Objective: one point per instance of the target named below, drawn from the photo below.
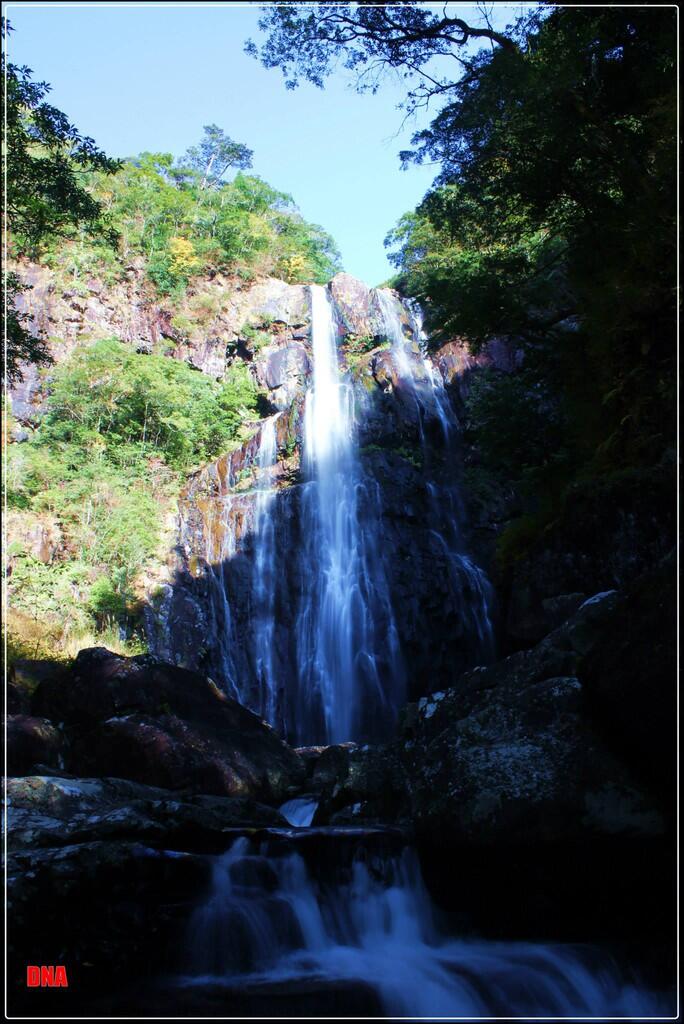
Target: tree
(214, 156)
(553, 221)
(44, 157)
(308, 41)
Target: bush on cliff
(104, 465)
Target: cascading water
(415, 371)
(300, 811)
(469, 587)
(263, 590)
(220, 549)
(345, 627)
(269, 921)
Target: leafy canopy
(208, 162)
(553, 222)
(310, 41)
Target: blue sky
(149, 77)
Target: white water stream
(269, 920)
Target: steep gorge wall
(207, 615)
(200, 610)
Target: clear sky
(149, 76)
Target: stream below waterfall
(364, 933)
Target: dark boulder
(162, 725)
(509, 755)
(24, 676)
(630, 678)
(32, 741)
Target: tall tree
(44, 156)
(214, 156)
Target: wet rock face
(159, 724)
(206, 621)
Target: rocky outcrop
(58, 811)
(208, 328)
(161, 725)
(510, 754)
(357, 306)
(608, 533)
(37, 535)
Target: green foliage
(256, 338)
(44, 160)
(360, 344)
(357, 348)
(185, 225)
(552, 222)
(107, 395)
(516, 419)
(105, 464)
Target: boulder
(630, 678)
(518, 764)
(509, 754)
(285, 365)
(32, 741)
(163, 725)
(369, 788)
(50, 811)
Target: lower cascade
(271, 922)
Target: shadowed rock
(162, 725)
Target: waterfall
(469, 587)
(345, 628)
(220, 548)
(263, 589)
(415, 370)
(269, 921)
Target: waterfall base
(278, 934)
